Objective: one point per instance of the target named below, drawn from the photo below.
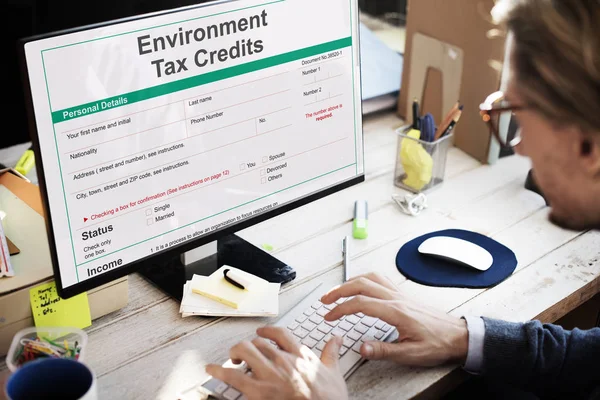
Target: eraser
(361, 220)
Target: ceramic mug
(52, 378)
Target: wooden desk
(148, 351)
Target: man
(554, 93)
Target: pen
(454, 121)
(446, 121)
(346, 259)
(415, 114)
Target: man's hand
(427, 337)
(291, 371)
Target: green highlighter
(360, 224)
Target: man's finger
(384, 310)
(233, 377)
(247, 352)
(383, 280)
(330, 355)
(282, 337)
(359, 286)
(275, 355)
(397, 352)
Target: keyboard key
(315, 319)
(221, 388)
(309, 312)
(231, 394)
(322, 311)
(338, 332)
(309, 342)
(345, 326)
(300, 319)
(348, 342)
(343, 350)
(379, 324)
(318, 335)
(317, 352)
(317, 305)
(340, 300)
(354, 335)
(321, 345)
(356, 347)
(292, 326)
(386, 327)
(327, 337)
(309, 326)
(361, 328)
(379, 335)
(370, 335)
(301, 332)
(353, 319)
(360, 315)
(323, 327)
(330, 306)
(333, 323)
(368, 321)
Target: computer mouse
(458, 251)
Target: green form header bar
(194, 81)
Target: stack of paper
(214, 296)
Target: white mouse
(457, 250)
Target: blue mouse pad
(431, 271)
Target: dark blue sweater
(544, 359)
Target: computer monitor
(164, 132)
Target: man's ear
(589, 153)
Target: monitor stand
(170, 275)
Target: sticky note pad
(49, 309)
(217, 288)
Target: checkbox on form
(148, 212)
(150, 221)
(262, 172)
(265, 159)
(263, 180)
(242, 167)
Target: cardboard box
(24, 225)
(461, 29)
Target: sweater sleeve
(542, 358)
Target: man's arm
(545, 359)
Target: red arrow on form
(85, 219)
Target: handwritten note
(51, 310)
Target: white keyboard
(305, 321)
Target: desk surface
(147, 350)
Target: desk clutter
(230, 292)
(422, 149)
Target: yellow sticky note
(51, 310)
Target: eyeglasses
(497, 113)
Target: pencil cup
(420, 165)
(52, 378)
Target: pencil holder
(35, 343)
(420, 165)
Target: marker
(236, 279)
(360, 224)
(26, 162)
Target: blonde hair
(556, 57)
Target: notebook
(214, 296)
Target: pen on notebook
(234, 278)
(345, 252)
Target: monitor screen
(164, 131)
